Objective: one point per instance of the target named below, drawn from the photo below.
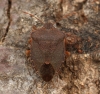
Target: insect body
(47, 50)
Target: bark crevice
(9, 18)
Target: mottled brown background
(81, 72)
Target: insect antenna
(33, 16)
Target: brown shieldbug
(47, 50)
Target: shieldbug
(47, 51)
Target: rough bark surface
(81, 71)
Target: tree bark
(80, 74)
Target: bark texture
(78, 18)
